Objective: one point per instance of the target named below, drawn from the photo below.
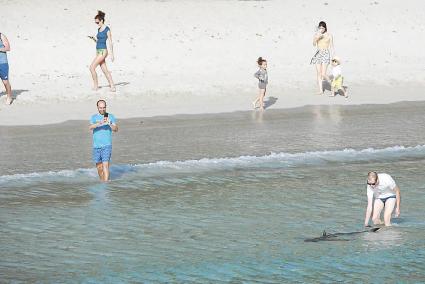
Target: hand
(397, 212)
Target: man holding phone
(102, 124)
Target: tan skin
(103, 168)
(100, 59)
(323, 40)
(6, 83)
(261, 92)
(378, 205)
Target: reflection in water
(99, 193)
(257, 116)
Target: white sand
(199, 56)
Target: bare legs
(100, 60)
(377, 208)
(107, 75)
(103, 171)
(321, 70)
(260, 98)
(8, 88)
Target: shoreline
(126, 105)
(215, 135)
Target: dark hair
(260, 60)
(323, 24)
(100, 16)
(97, 104)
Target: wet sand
(184, 137)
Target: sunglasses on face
(97, 22)
(372, 184)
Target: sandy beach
(176, 57)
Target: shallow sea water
(198, 214)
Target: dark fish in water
(335, 236)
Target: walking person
(325, 50)
(103, 34)
(382, 193)
(337, 78)
(102, 124)
(263, 80)
(4, 67)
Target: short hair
(97, 104)
(372, 174)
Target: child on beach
(262, 77)
(337, 79)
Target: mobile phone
(105, 114)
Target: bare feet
(9, 100)
(113, 89)
(254, 104)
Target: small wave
(273, 160)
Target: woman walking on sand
(263, 80)
(324, 43)
(103, 34)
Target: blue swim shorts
(102, 154)
(4, 71)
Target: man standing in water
(382, 192)
(102, 124)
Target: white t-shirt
(336, 71)
(385, 187)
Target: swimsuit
(4, 65)
(101, 36)
(263, 78)
(101, 51)
(386, 198)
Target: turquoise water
(242, 220)
(223, 219)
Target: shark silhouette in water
(335, 237)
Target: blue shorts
(4, 71)
(102, 154)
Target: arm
(316, 38)
(95, 125)
(5, 43)
(92, 38)
(369, 207)
(114, 127)
(258, 75)
(398, 200)
(331, 46)
(111, 46)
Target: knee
(92, 68)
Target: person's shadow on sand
(326, 86)
(270, 101)
(117, 84)
(15, 94)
